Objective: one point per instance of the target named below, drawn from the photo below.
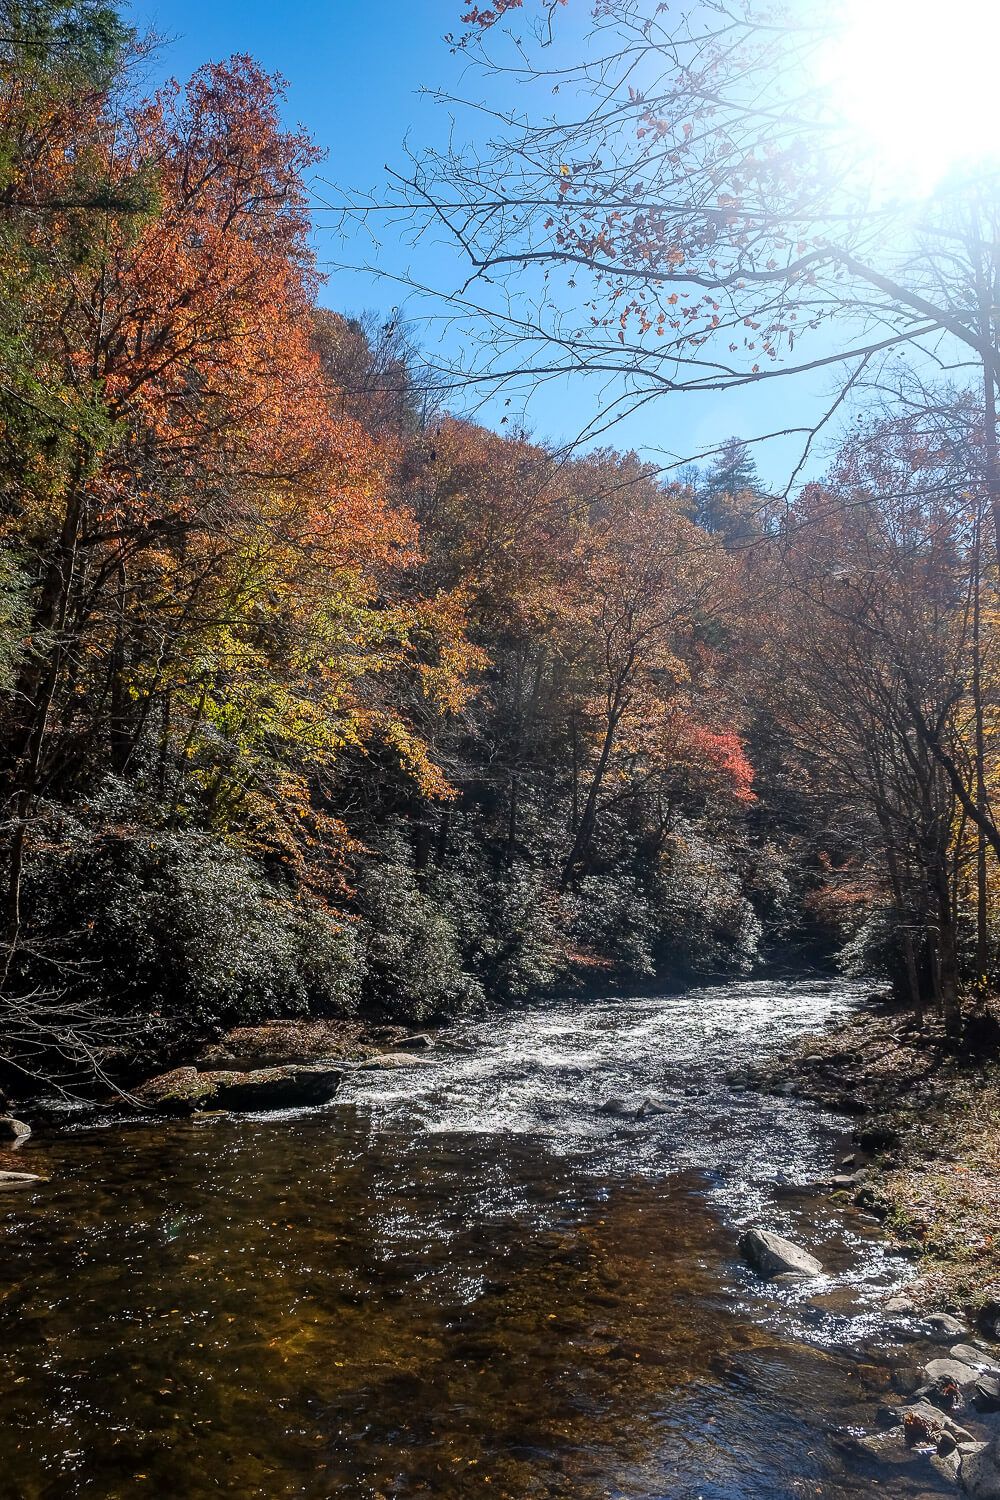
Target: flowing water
(464, 1280)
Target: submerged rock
(773, 1255)
(625, 1109)
(11, 1180)
(186, 1090)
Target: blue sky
(354, 74)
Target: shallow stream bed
(461, 1280)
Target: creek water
(463, 1280)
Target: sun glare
(918, 80)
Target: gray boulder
(773, 1255)
(937, 1420)
(986, 1395)
(13, 1130)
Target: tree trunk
(34, 693)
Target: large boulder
(13, 1130)
(187, 1091)
(773, 1255)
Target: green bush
(178, 924)
(415, 953)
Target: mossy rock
(186, 1091)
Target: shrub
(179, 924)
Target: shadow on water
(468, 1281)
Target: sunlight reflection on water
(466, 1279)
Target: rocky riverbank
(928, 1137)
(926, 1164)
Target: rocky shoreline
(925, 1165)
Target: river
(467, 1280)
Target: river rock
(986, 1393)
(988, 1320)
(968, 1354)
(186, 1090)
(620, 1107)
(419, 1043)
(944, 1325)
(13, 1130)
(773, 1255)
(396, 1060)
(936, 1370)
(936, 1420)
(13, 1180)
(979, 1470)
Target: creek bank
(928, 1142)
(926, 1167)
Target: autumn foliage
(274, 624)
(318, 696)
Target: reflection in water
(468, 1281)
